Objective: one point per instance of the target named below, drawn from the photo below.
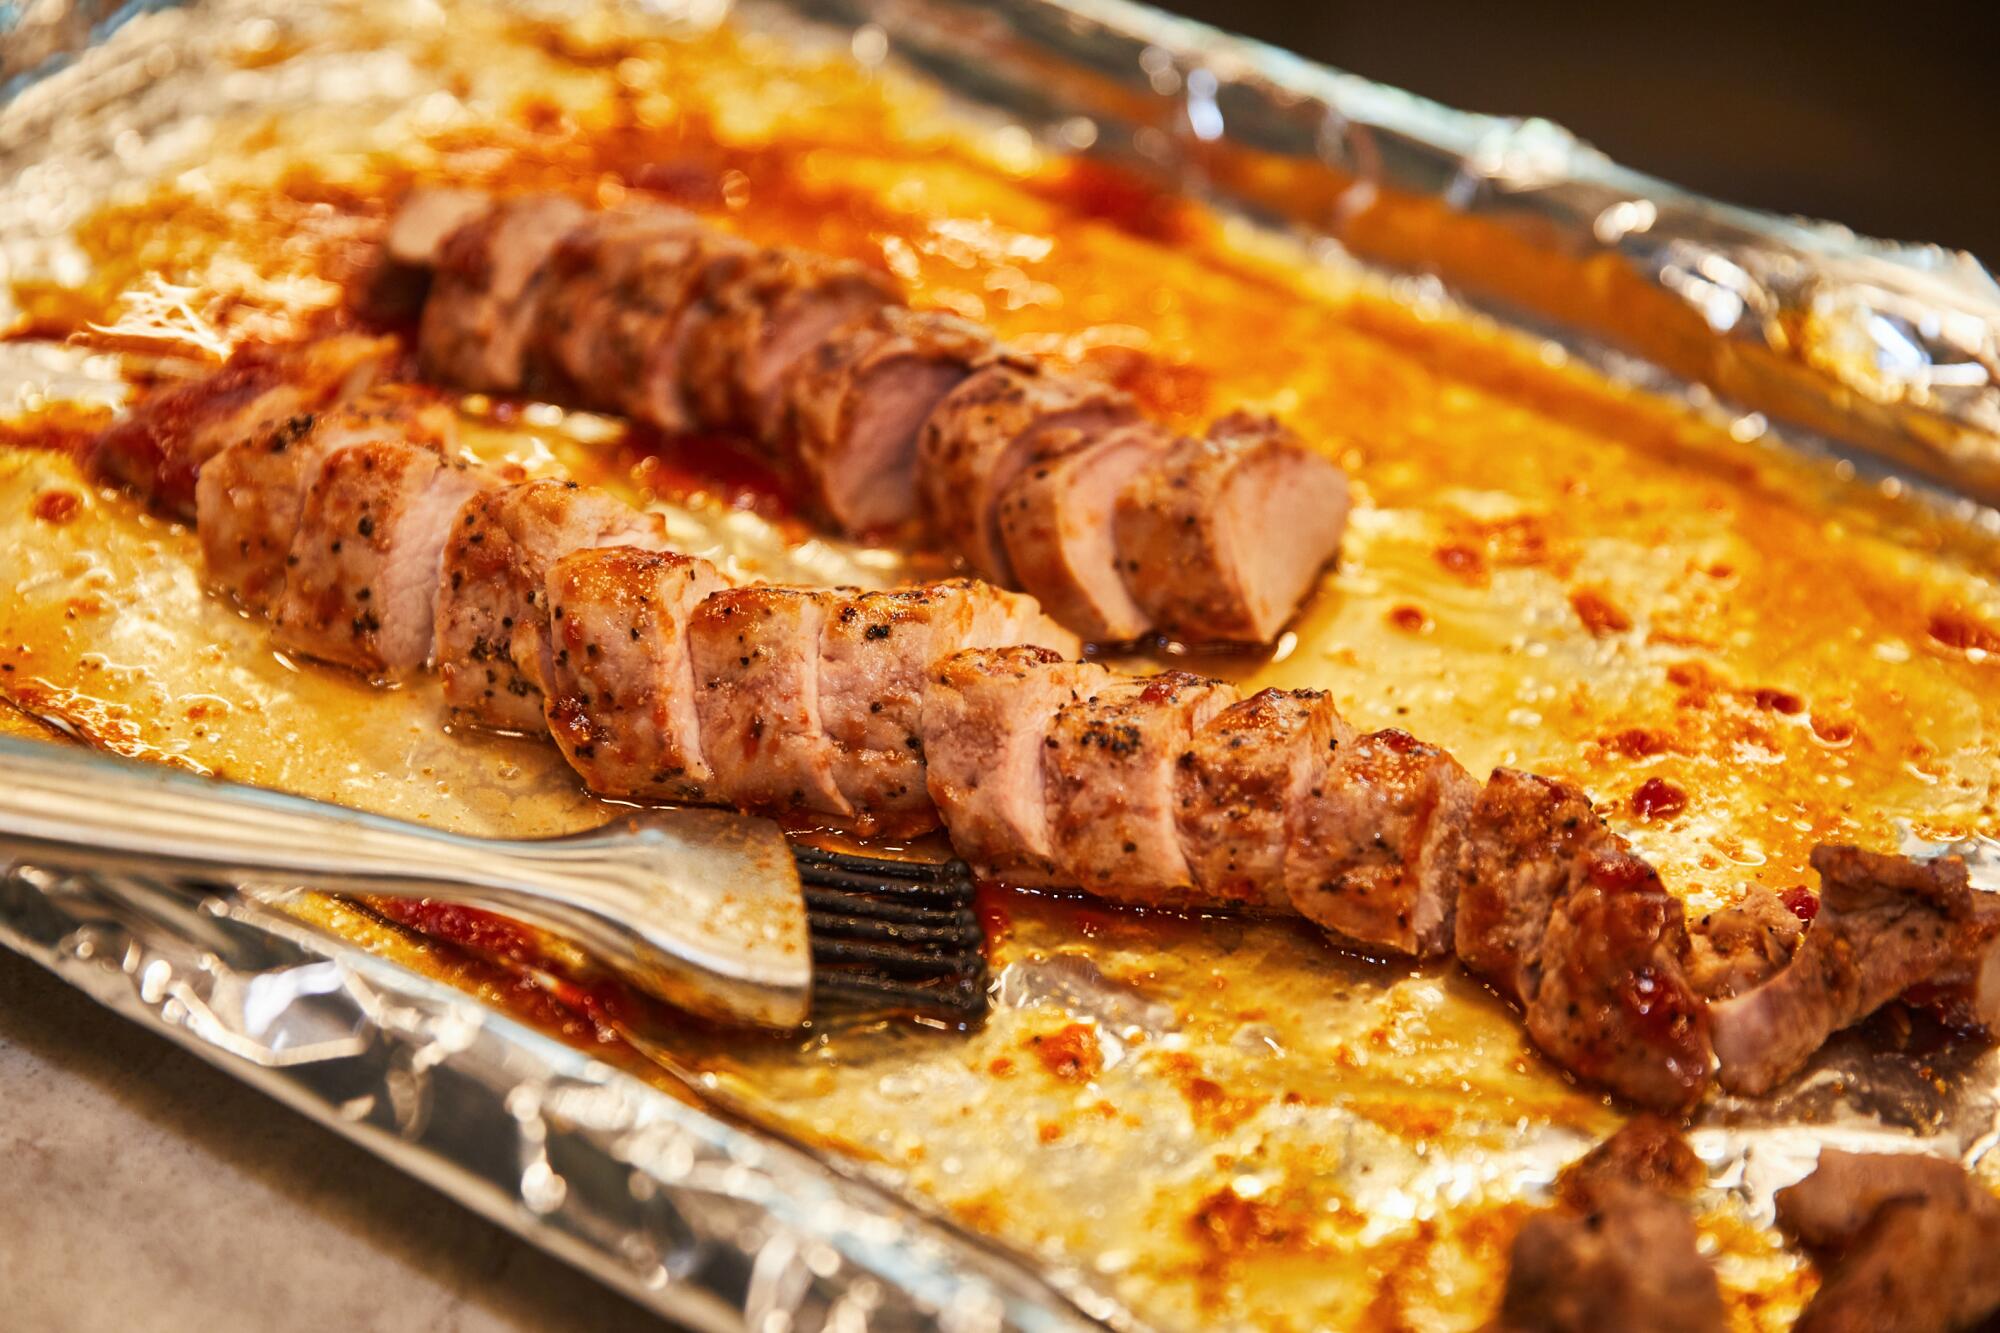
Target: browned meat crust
(492, 609)
(1905, 1243)
(1375, 842)
(1622, 1253)
(1738, 948)
(1239, 782)
(621, 687)
(1885, 924)
(485, 298)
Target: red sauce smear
(1658, 799)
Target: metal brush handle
(702, 908)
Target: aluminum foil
(1885, 350)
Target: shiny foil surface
(824, 1185)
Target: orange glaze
(1544, 570)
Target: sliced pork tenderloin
(1613, 1003)
(986, 717)
(1559, 915)
(857, 400)
(1237, 784)
(1373, 844)
(756, 655)
(1885, 924)
(1526, 843)
(249, 496)
(485, 302)
(621, 696)
(1056, 521)
(158, 450)
(1621, 1251)
(362, 579)
(758, 322)
(1904, 1242)
(1111, 763)
(878, 652)
(1001, 421)
(1223, 537)
(492, 607)
(589, 283)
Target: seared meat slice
(1905, 1244)
(158, 449)
(621, 695)
(1741, 947)
(1613, 1003)
(756, 658)
(877, 652)
(593, 279)
(986, 719)
(492, 609)
(757, 323)
(1112, 756)
(248, 499)
(857, 400)
(990, 429)
(1237, 784)
(1056, 521)
(1374, 841)
(363, 570)
(426, 220)
(1623, 1252)
(1885, 924)
(1525, 844)
(485, 300)
(1223, 537)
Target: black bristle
(893, 937)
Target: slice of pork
(159, 449)
(1622, 1251)
(426, 219)
(1885, 924)
(249, 496)
(1373, 843)
(485, 302)
(1740, 947)
(1612, 1003)
(986, 432)
(1904, 1241)
(1111, 762)
(602, 268)
(621, 699)
(1222, 538)
(985, 723)
(1525, 847)
(756, 658)
(492, 607)
(878, 651)
(362, 580)
(1056, 522)
(1237, 784)
(760, 321)
(857, 400)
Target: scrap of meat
(1885, 924)
(1740, 947)
(486, 294)
(1621, 1252)
(1904, 1243)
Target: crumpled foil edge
(718, 1226)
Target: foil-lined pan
(1878, 351)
